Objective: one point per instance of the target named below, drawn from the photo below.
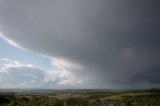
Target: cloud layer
(14, 74)
(116, 43)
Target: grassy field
(80, 98)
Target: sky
(80, 44)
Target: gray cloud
(149, 75)
(112, 40)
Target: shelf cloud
(105, 43)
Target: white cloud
(63, 63)
(11, 42)
(63, 68)
(14, 74)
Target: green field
(81, 98)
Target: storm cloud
(115, 43)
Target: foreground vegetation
(82, 98)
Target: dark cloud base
(114, 41)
